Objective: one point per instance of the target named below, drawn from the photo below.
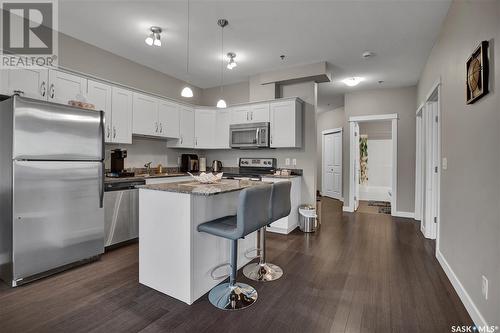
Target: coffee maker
(118, 157)
(189, 163)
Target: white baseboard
(348, 209)
(408, 215)
(462, 293)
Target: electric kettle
(216, 166)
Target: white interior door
(357, 167)
(332, 165)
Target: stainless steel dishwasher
(121, 211)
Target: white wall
(470, 187)
(233, 94)
(386, 101)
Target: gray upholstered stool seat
(279, 207)
(252, 214)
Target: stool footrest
(219, 277)
(257, 251)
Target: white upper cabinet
(168, 119)
(99, 94)
(31, 83)
(240, 114)
(145, 115)
(286, 124)
(121, 113)
(186, 129)
(204, 128)
(259, 113)
(222, 122)
(64, 87)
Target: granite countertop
(139, 177)
(195, 188)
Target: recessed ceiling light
(154, 37)
(368, 54)
(353, 81)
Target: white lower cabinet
(286, 123)
(289, 223)
(31, 83)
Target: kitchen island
(174, 258)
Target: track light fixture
(154, 37)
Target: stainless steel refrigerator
(51, 188)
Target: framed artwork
(477, 70)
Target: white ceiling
(400, 32)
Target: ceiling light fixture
(231, 64)
(367, 54)
(221, 104)
(155, 37)
(187, 91)
(353, 81)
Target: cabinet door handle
(52, 91)
(195, 141)
(161, 128)
(251, 115)
(182, 139)
(247, 116)
(43, 89)
(156, 127)
(108, 132)
(114, 132)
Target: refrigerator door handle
(101, 185)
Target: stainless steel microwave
(255, 135)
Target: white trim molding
(471, 308)
(388, 116)
(348, 209)
(332, 130)
(408, 215)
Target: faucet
(148, 167)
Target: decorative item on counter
(207, 178)
(203, 164)
(277, 173)
(160, 168)
(286, 172)
(81, 102)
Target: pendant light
(187, 91)
(221, 104)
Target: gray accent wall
(470, 187)
(85, 58)
(233, 94)
(387, 101)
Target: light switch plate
(444, 163)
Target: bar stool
(251, 215)
(279, 207)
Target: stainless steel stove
(253, 168)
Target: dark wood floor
(359, 273)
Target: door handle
(181, 139)
(43, 89)
(156, 127)
(52, 91)
(251, 115)
(101, 185)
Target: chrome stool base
(262, 272)
(236, 297)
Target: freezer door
(49, 131)
(58, 216)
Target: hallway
(359, 273)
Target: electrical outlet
(287, 161)
(444, 163)
(484, 287)
(294, 162)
